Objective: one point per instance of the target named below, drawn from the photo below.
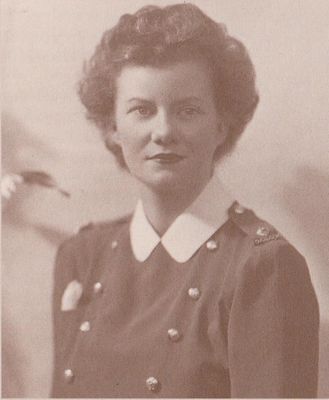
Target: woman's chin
(181, 178)
(164, 181)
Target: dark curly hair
(157, 36)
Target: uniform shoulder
(265, 249)
(78, 251)
(111, 225)
(94, 234)
(258, 230)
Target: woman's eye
(189, 111)
(142, 111)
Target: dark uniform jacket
(238, 319)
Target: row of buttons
(194, 293)
(152, 383)
(86, 326)
(173, 334)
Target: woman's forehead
(181, 79)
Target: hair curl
(157, 36)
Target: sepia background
(280, 168)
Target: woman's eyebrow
(187, 99)
(178, 102)
(139, 99)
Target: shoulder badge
(248, 222)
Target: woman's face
(167, 124)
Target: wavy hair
(156, 36)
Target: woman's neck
(163, 207)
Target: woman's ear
(222, 132)
(112, 135)
(112, 140)
(115, 137)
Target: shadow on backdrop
(307, 200)
(21, 150)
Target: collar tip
(141, 257)
(182, 260)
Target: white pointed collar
(189, 231)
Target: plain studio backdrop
(280, 168)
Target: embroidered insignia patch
(264, 239)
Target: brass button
(211, 245)
(173, 334)
(152, 384)
(263, 231)
(68, 375)
(194, 293)
(98, 288)
(239, 209)
(85, 326)
(114, 244)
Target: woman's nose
(163, 129)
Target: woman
(192, 295)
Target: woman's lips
(166, 158)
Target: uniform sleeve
(64, 273)
(274, 326)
